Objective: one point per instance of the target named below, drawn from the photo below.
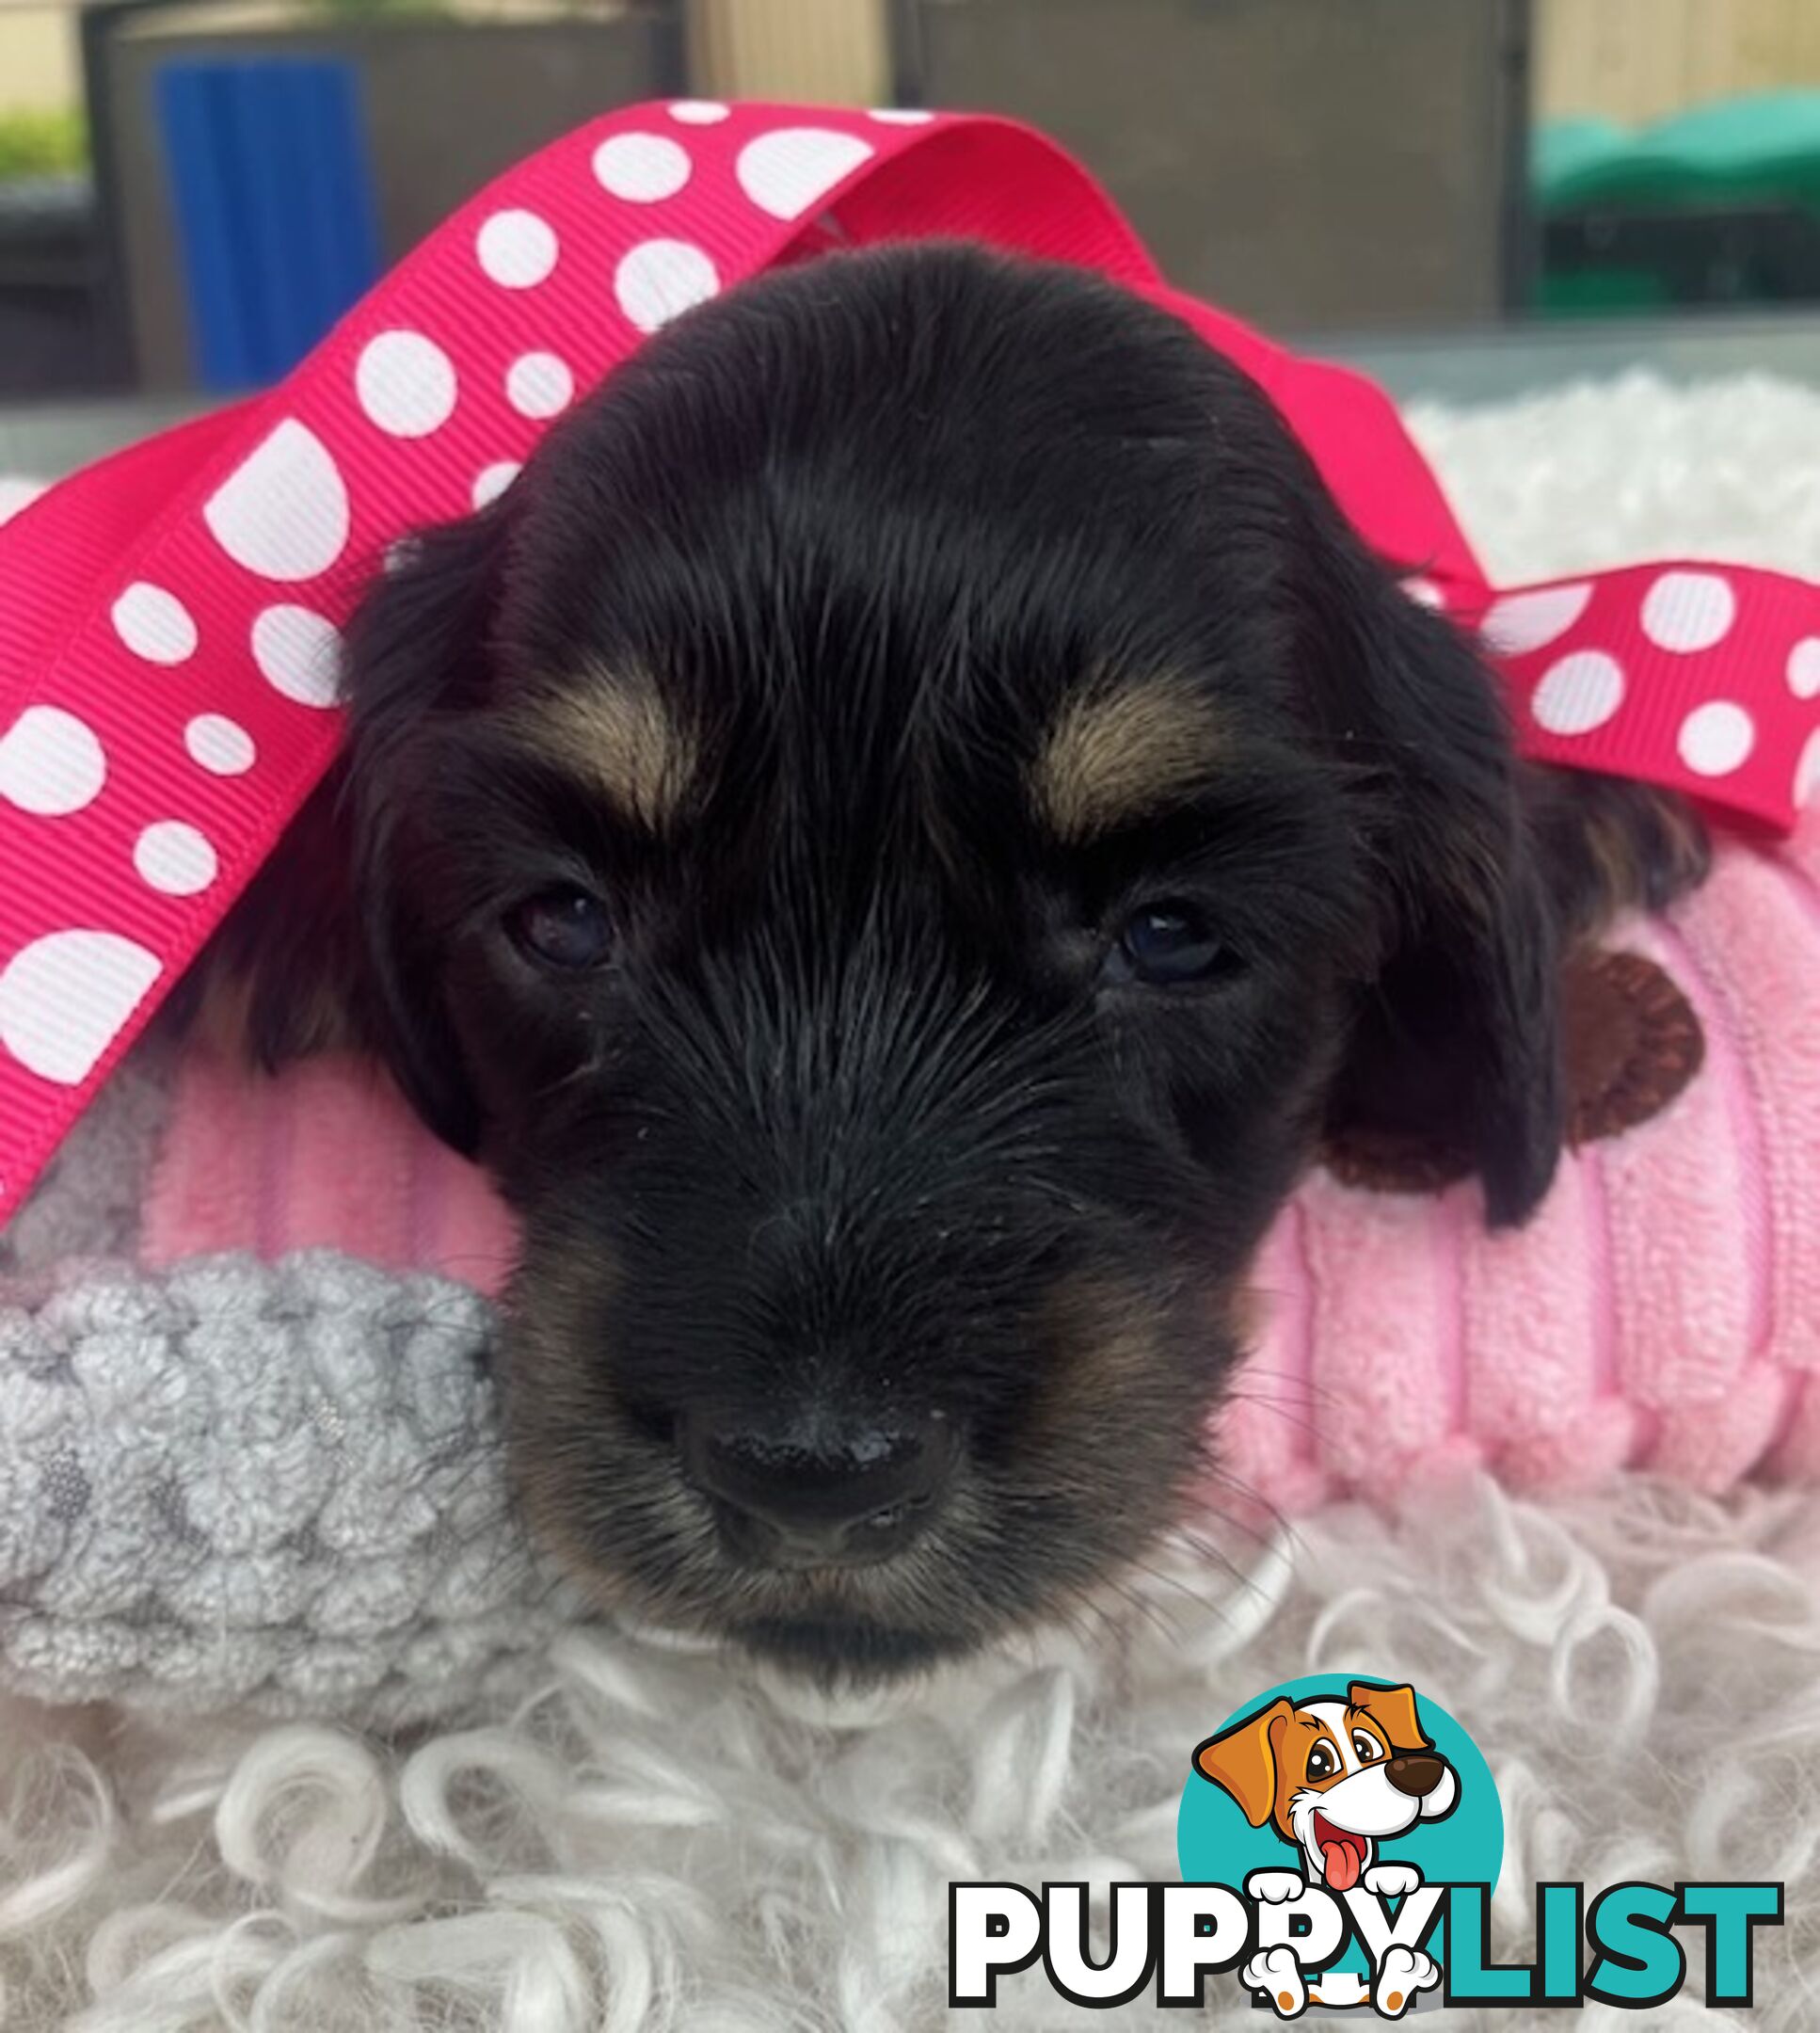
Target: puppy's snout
(820, 1497)
(1414, 1774)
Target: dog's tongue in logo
(1342, 1854)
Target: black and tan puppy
(894, 840)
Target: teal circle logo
(1264, 1753)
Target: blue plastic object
(273, 194)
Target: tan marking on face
(552, 1401)
(614, 729)
(1119, 751)
(1110, 1374)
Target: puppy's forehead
(1327, 1719)
(841, 519)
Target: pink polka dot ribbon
(170, 618)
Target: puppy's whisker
(1308, 1423)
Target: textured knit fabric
(280, 1486)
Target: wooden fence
(1635, 60)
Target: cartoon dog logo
(1335, 1779)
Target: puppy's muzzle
(811, 1496)
(1414, 1774)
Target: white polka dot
(659, 279)
(516, 249)
(283, 512)
(1685, 610)
(787, 172)
(1579, 693)
(16, 496)
(640, 167)
(539, 385)
(298, 654)
(220, 745)
(492, 481)
(1716, 737)
(64, 998)
(698, 112)
(51, 763)
(1524, 621)
(154, 624)
(405, 383)
(1806, 771)
(175, 859)
(1424, 592)
(1804, 668)
(901, 116)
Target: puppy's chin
(846, 1651)
(651, 1551)
(1027, 1537)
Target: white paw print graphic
(1392, 1880)
(1274, 1887)
(1276, 1972)
(1400, 1975)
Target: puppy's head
(882, 840)
(1334, 1778)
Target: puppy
(1334, 1779)
(894, 839)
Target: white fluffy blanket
(661, 1839)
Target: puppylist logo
(1340, 1839)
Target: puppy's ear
(1242, 1761)
(417, 653)
(1393, 1708)
(328, 949)
(1458, 1042)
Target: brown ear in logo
(1393, 1708)
(1242, 1760)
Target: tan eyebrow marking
(614, 731)
(1115, 754)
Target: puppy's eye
(562, 928)
(1168, 946)
(1320, 1762)
(1367, 1747)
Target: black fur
(853, 1126)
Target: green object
(1719, 204)
(1600, 292)
(1765, 148)
(38, 144)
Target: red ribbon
(170, 620)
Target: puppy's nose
(818, 1497)
(1415, 1774)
